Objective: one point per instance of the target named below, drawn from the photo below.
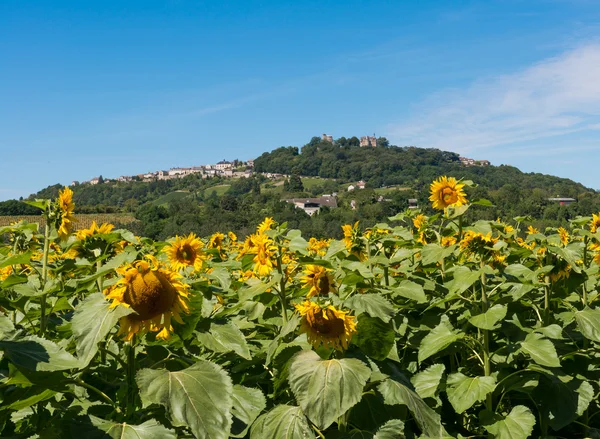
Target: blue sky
(125, 87)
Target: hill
(393, 175)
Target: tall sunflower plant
(425, 327)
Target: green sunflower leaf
(427, 382)
(541, 350)
(394, 392)
(92, 427)
(92, 321)
(588, 322)
(283, 422)
(517, 425)
(440, 337)
(326, 389)
(247, 405)
(393, 429)
(38, 354)
(199, 397)
(464, 391)
(373, 304)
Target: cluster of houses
(223, 169)
(465, 161)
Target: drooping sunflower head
(185, 252)
(319, 279)
(595, 223)
(447, 192)
(65, 208)
(532, 230)
(329, 327)
(156, 294)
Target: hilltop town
(224, 168)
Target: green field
(167, 198)
(219, 189)
(387, 190)
(308, 182)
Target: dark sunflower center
(150, 294)
(449, 195)
(324, 285)
(186, 253)
(330, 326)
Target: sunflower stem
(130, 400)
(281, 292)
(487, 366)
(44, 275)
(103, 395)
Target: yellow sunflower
(419, 221)
(185, 252)
(94, 230)
(265, 254)
(66, 207)
(265, 225)
(447, 241)
(156, 295)
(564, 235)
(216, 241)
(318, 246)
(475, 243)
(532, 230)
(326, 326)
(595, 223)
(447, 192)
(319, 279)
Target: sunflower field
(426, 327)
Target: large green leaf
(283, 422)
(100, 429)
(427, 382)
(374, 337)
(410, 290)
(199, 397)
(464, 391)
(6, 326)
(517, 425)
(464, 277)
(225, 337)
(588, 322)
(560, 399)
(440, 337)
(248, 403)
(326, 389)
(433, 253)
(393, 429)
(22, 398)
(540, 349)
(92, 321)
(394, 392)
(21, 258)
(373, 304)
(39, 354)
(490, 318)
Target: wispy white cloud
(558, 96)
